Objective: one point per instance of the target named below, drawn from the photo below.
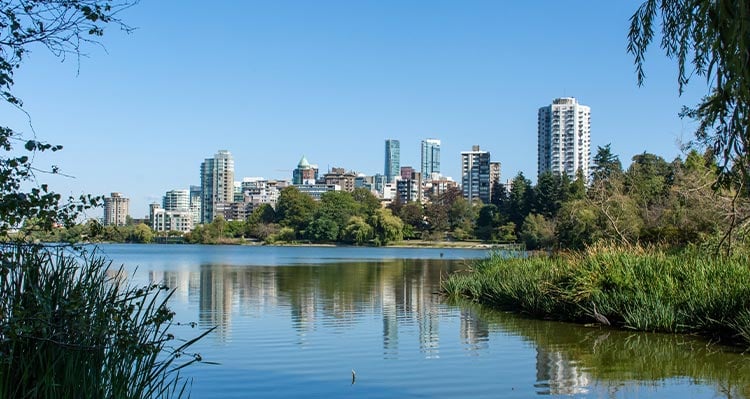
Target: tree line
(651, 202)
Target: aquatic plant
(644, 289)
(71, 326)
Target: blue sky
(331, 80)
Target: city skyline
(332, 80)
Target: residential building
(115, 210)
(176, 200)
(392, 159)
(195, 204)
(564, 137)
(217, 184)
(430, 158)
(475, 175)
(407, 172)
(338, 176)
(317, 190)
(410, 189)
(257, 191)
(437, 187)
(305, 173)
(162, 219)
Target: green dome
(303, 164)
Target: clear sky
(271, 81)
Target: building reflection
(474, 330)
(556, 374)
(337, 296)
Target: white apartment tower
(564, 144)
(217, 184)
(176, 200)
(115, 210)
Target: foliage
(295, 209)
(386, 227)
(538, 232)
(645, 289)
(357, 231)
(71, 327)
(322, 229)
(711, 39)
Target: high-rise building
(564, 144)
(217, 184)
(176, 200)
(392, 159)
(475, 174)
(115, 210)
(430, 157)
(196, 197)
(305, 173)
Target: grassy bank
(640, 289)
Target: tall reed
(636, 288)
(72, 327)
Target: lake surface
(294, 322)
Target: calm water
(294, 322)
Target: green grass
(635, 288)
(71, 327)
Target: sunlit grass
(635, 288)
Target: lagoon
(295, 321)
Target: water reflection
(404, 292)
(569, 359)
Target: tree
(549, 193)
(412, 214)
(368, 202)
(322, 229)
(461, 215)
(487, 220)
(606, 165)
(519, 199)
(142, 234)
(386, 227)
(357, 231)
(708, 38)
(538, 232)
(295, 209)
(338, 207)
(648, 179)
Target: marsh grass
(635, 288)
(72, 327)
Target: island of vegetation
(663, 246)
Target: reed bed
(72, 327)
(643, 289)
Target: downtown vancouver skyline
(332, 80)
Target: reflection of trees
(570, 356)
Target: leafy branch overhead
(62, 26)
(708, 38)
